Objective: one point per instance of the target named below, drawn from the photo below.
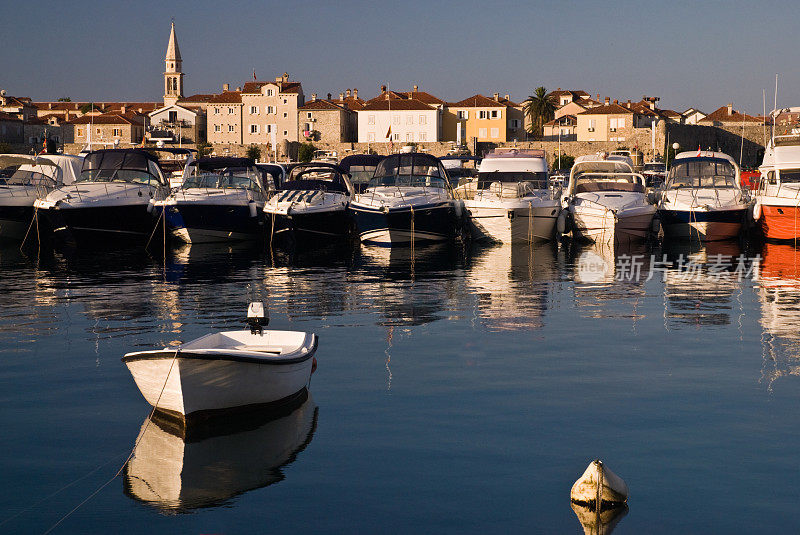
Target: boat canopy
(122, 165)
(360, 167)
(719, 171)
(46, 170)
(319, 176)
(410, 170)
(604, 173)
(223, 172)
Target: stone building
(727, 116)
(609, 122)
(181, 124)
(224, 117)
(126, 128)
(326, 121)
(398, 120)
(271, 107)
(11, 130)
(20, 107)
(173, 73)
(495, 120)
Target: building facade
(271, 106)
(326, 121)
(398, 120)
(224, 117)
(110, 129)
(495, 120)
(173, 73)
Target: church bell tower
(173, 77)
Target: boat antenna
(741, 148)
(764, 112)
(775, 107)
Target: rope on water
(130, 455)
(160, 217)
(29, 229)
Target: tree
(539, 108)
(64, 99)
(203, 149)
(306, 152)
(90, 106)
(567, 161)
(254, 152)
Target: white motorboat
(311, 203)
(226, 370)
(112, 199)
(606, 200)
(408, 201)
(702, 198)
(25, 179)
(221, 199)
(511, 201)
(180, 469)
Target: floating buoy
(599, 487)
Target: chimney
(730, 108)
(313, 97)
(508, 97)
(329, 96)
(285, 77)
(50, 106)
(238, 88)
(348, 93)
(608, 100)
(355, 93)
(598, 97)
(416, 88)
(383, 88)
(616, 101)
(122, 109)
(341, 96)
(279, 79)
(497, 97)
(226, 87)
(66, 115)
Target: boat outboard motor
(257, 319)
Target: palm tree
(539, 108)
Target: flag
(389, 133)
(254, 76)
(699, 151)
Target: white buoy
(599, 487)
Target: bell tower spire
(173, 75)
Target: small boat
(312, 203)
(408, 201)
(511, 201)
(606, 200)
(30, 177)
(702, 198)
(360, 167)
(221, 199)
(111, 200)
(226, 371)
(777, 198)
(599, 487)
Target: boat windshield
(789, 176)
(28, 175)
(655, 168)
(225, 178)
(410, 170)
(115, 165)
(607, 175)
(702, 173)
(536, 180)
(320, 178)
(361, 174)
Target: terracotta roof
(321, 104)
(565, 120)
(575, 94)
(283, 87)
(59, 106)
(422, 96)
(352, 103)
(6, 117)
(226, 97)
(508, 102)
(607, 109)
(107, 118)
(394, 95)
(396, 104)
(477, 101)
(587, 102)
(199, 97)
(290, 87)
(669, 113)
(18, 101)
(144, 106)
(721, 115)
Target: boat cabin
(601, 172)
(361, 168)
(318, 176)
(703, 169)
(414, 169)
(135, 166)
(225, 173)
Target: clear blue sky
(701, 54)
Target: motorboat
(360, 167)
(226, 371)
(312, 203)
(221, 199)
(180, 469)
(173, 163)
(655, 174)
(510, 200)
(461, 169)
(606, 200)
(112, 199)
(777, 199)
(28, 178)
(408, 201)
(273, 171)
(702, 198)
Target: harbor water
(456, 391)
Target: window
(254, 129)
(268, 128)
(565, 131)
(97, 131)
(285, 101)
(482, 114)
(230, 111)
(513, 123)
(270, 109)
(309, 127)
(217, 128)
(117, 132)
(463, 114)
(495, 114)
(564, 101)
(80, 131)
(285, 133)
(371, 136)
(230, 128)
(285, 115)
(495, 133)
(370, 119)
(423, 136)
(253, 110)
(409, 136)
(173, 116)
(396, 137)
(422, 119)
(216, 111)
(396, 119)
(269, 92)
(621, 122)
(308, 115)
(481, 132)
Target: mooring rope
(163, 209)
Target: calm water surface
(456, 392)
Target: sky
(691, 54)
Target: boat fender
(313, 364)
(253, 208)
(656, 226)
(756, 211)
(150, 205)
(459, 207)
(563, 223)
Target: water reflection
(778, 291)
(701, 285)
(207, 466)
(512, 284)
(599, 522)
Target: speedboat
(221, 199)
(312, 203)
(408, 201)
(360, 167)
(30, 177)
(702, 198)
(511, 201)
(226, 370)
(111, 200)
(777, 199)
(655, 174)
(606, 200)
